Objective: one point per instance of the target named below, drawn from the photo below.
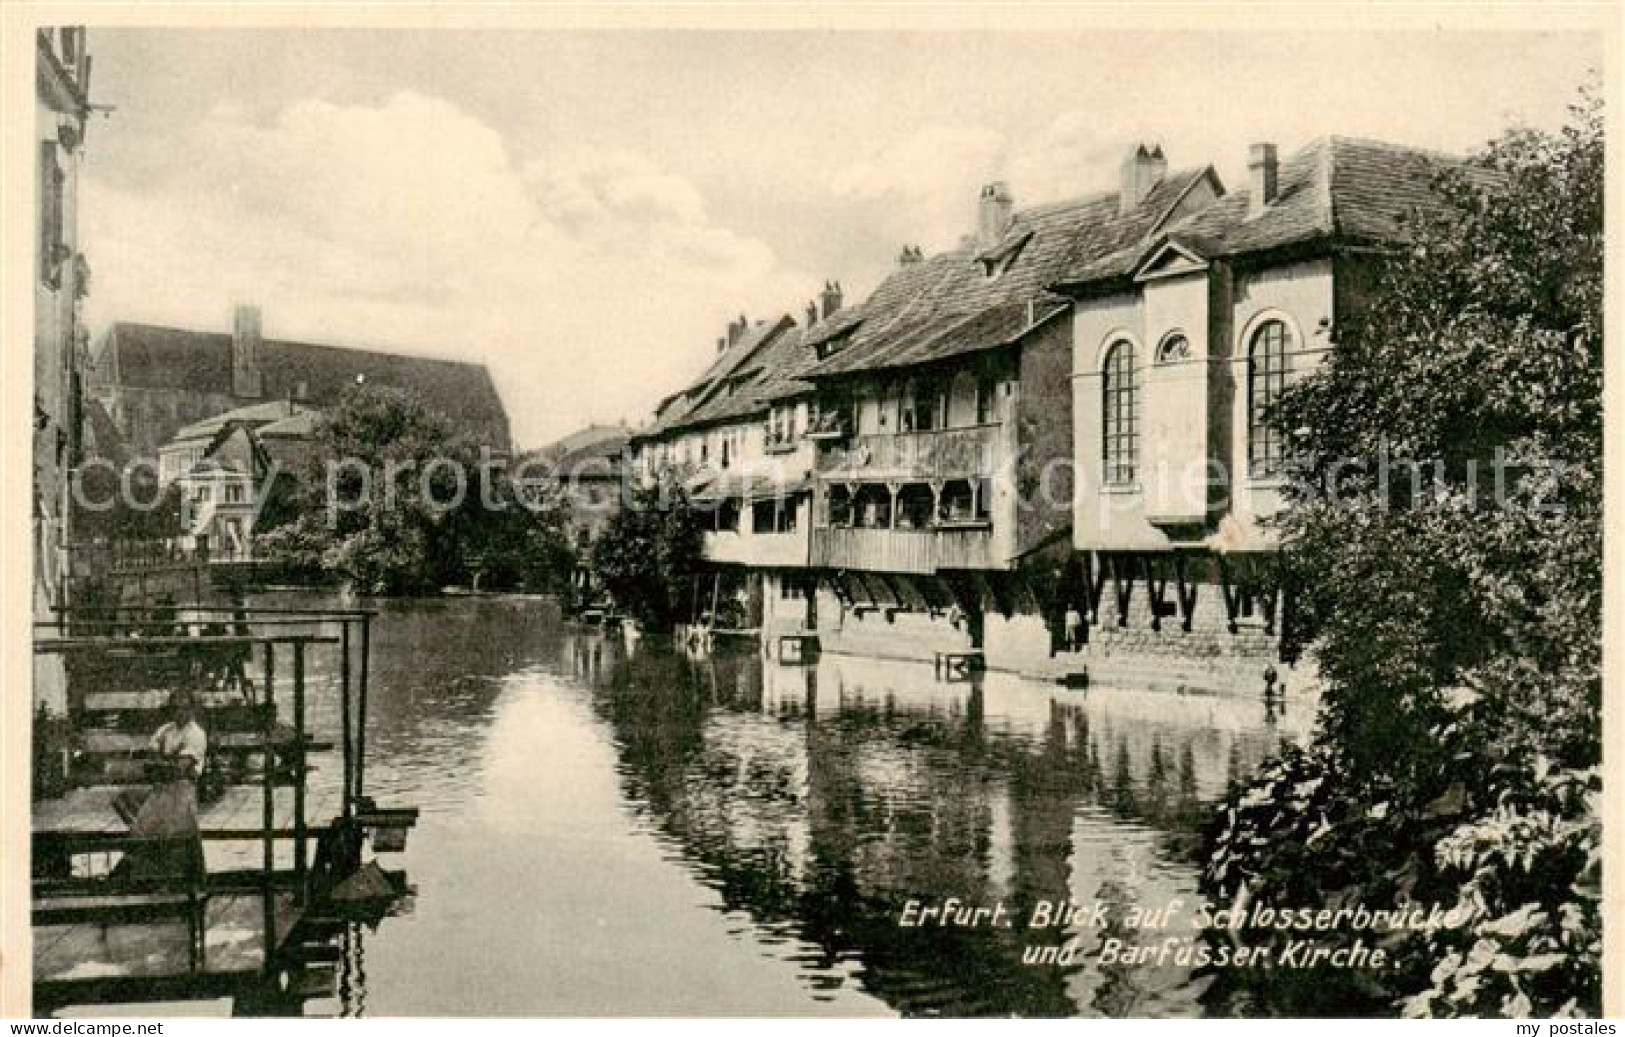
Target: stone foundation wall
(1206, 658)
(886, 635)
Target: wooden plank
(230, 741)
(145, 645)
(89, 810)
(134, 701)
(234, 941)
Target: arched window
(1266, 377)
(1120, 396)
(1174, 348)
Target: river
(625, 830)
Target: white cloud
(922, 186)
(589, 282)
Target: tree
(398, 502)
(1451, 585)
(125, 505)
(649, 552)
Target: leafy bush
(1455, 607)
(649, 552)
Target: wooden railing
(945, 454)
(126, 556)
(904, 550)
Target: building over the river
(1047, 444)
(153, 380)
(1180, 345)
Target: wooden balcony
(904, 550)
(956, 453)
(785, 550)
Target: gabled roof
(275, 412)
(681, 409)
(599, 455)
(748, 359)
(780, 366)
(1333, 191)
(586, 436)
(234, 450)
(959, 308)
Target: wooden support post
(361, 710)
(1269, 591)
(1094, 577)
(895, 598)
(1156, 586)
(1185, 588)
(268, 811)
(1231, 583)
(1124, 591)
(299, 835)
(346, 804)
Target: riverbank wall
(1130, 643)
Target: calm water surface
(625, 830)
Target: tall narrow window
(1266, 377)
(1120, 396)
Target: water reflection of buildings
(820, 800)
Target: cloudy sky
(584, 211)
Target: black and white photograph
(801, 513)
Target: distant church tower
(245, 353)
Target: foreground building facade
(61, 281)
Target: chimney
(1262, 169)
(1141, 172)
(737, 328)
(911, 254)
(245, 353)
(812, 313)
(994, 210)
(831, 297)
(722, 342)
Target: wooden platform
(234, 944)
(232, 827)
(130, 744)
(240, 809)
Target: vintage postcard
(710, 512)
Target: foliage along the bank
(1454, 608)
(649, 554)
(403, 535)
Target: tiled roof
(780, 364)
(602, 452)
(295, 426)
(1335, 190)
(957, 307)
(715, 486)
(757, 350)
(582, 437)
(157, 357)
